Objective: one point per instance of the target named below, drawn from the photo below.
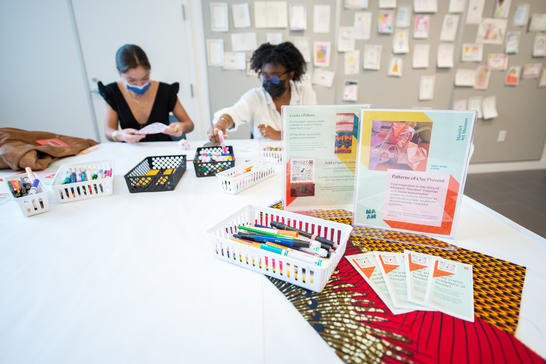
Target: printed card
(393, 269)
(451, 290)
(419, 267)
(366, 265)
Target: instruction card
(411, 169)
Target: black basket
(208, 169)
(158, 173)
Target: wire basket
(211, 168)
(157, 173)
(246, 175)
(312, 276)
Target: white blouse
(256, 107)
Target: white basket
(286, 268)
(32, 204)
(83, 190)
(266, 152)
(235, 179)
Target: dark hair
(131, 56)
(284, 54)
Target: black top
(164, 103)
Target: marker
(309, 244)
(34, 188)
(30, 175)
(293, 234)
(67, 178)
(280, 225)
(282, 251)
(259, 229)
(291, 242)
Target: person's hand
(175, 129)
(128, 135)
(269, 132)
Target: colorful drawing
(422, 22)
(399, 145)
(491, 31)
(346, 128)
(512, 76)
(322, 54)
(385, 22)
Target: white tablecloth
(131, 278)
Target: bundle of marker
(29, 193)
(284, 242)
(83, 181)
(272, 152)
(210, 160)
(25, 185)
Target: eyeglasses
(273, 78)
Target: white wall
(42, 84)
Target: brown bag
(18, 148)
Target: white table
(131, 278)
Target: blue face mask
(139, 90)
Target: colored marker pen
(34, 188)
(291, 242)
(280, 225)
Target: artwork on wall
(422, 23)
(472, 52)
(491, 31)
(512, 76)
(385, 21)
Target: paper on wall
(425, 6)
(321, 54)
(538, 23)
(393, 269)
(395, 67)
(521, 15)
(465, 77)
(363, 24)
(472, 52)
(451, 289)
(512, 42)
(421, 55)
(350, 91)
(489, 107)
(542, 81)
(491, 31)
(531, 71)
(304, 46)
(482, 78)
(352, 62)
(215, 52)
(273, 38)
(460, 104)
(403, 15)
(322, 77)
(497, 61)
(456, 6)
(449, 27)
(426, 88)
(444, 58)
(512, 76)
(321, 18)
(475, 103)
(298, 17)
(372, 56)
(422, 23)
(356, 4)
(475, 11)
(387, 4)
(218, 17)
(367, 266)
(419, 267)
(400, 41)
(234, 61)
(502, 8)
(241, 42)
(539, 45)
(241, 15)
(270, 14)
(346, 39)
(385, 21)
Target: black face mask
(275, 90)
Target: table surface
(132, 278)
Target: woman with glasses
(136, 101)
(280, 68)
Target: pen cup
(291, 269)
(30, 204)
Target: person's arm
(111, 129)
(231, 116)
(184, 123)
